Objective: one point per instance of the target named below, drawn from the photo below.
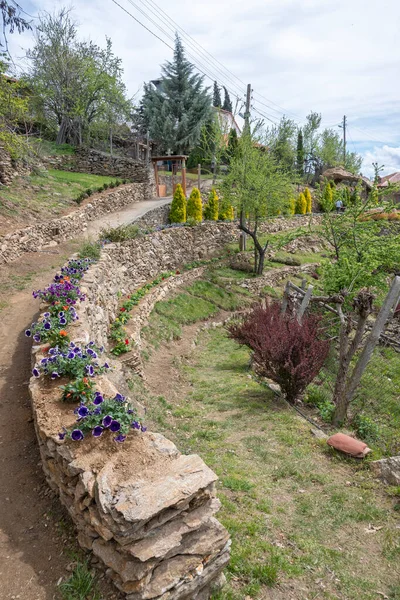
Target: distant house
(389, 180)
(227, 121)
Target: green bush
(292, 206)
(301, 205)
(121, 233)
(327, 198)
(178, 206)
(194, 209)
(226, 212)
(366, 428)
(90, 250)
(211, 209)
(307, 195)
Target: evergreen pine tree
(327, 198)
(227, 101)
(211, 209)
(178, 206)
(194, 209)
(175, 110)
(225, 211)
(233, 145)
(300, 153)
(292, 206)
(307, 195)
(301, 205)
(217, 102)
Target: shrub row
(191, 211)
(86, 193)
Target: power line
(365, 131)
(199, 65)
(205, 70)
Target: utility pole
(343, 126)
(246, 129)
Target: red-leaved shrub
(283, 350)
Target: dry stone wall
(37, 237)
(9, 169)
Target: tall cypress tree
(227, 101)
(177, 107)
(217, 102)
(300, 153)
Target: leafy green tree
(258, 187)
(175, 111)
(227, 105)
(178, 206)
(13, 114)
(217, 102)
(283, 145)
(73, 82)
(300, 153)
(194, 209)
(12, 20)
(225, 210)
(211, 208)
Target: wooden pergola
(177, 161)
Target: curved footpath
(33, 553)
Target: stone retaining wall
(157, 216)
(37, 237)
(88, 160)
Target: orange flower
(85, 380)
(66, 278)
(63, 333)
(65, 307)
(68, 395)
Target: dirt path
(33, 535)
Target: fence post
(198, 176)
(305, 302)
(285, 298)
(388, 306)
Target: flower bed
(145, 510)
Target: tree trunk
(261, 259)
(62, 132)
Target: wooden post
(285, 300)
(387, 308)
(156, 178)
(173, 178)
(305, 302)
(184, 176)
(198, 176)
(147, 147)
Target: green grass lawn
(301, 517)
(47, 194)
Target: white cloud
(334, 56)
(386, 156)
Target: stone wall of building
(35, 238)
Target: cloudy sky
(333, 56)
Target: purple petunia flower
(44, 361)
(98, 399)
(62, 435)
(107, 421)
(46, 315)
(120, 438)
(35, 372)
(28, 333)
(47, 325)
(106, 366)
(71, 355)
(36, 338)
(54, 375)
(143, 428)
(63, 321)
(135, 425)
(97, 411)
(90, 370)
(97, 431)
(115, 426)
(77, 435)
(83, 411)
(119, 398)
